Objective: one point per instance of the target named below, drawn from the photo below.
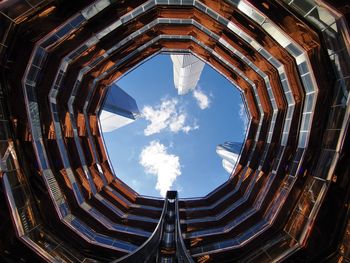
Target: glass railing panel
(341, 67)
(307, 82)
(187, 2)
(123, 246)
(2, 113)
(110, 206)
(333, 41)
(336, 117)
(49, 40)
(16, 10)
(39, 57)
(64, 208)
(303, 135)
(342, 93)
(10, 165)
(104, 240)
(181, 251)
(274, 207)
(12, 179)
(21, 196)
(330, 139)
(77, 21)
(262, 194)
(78, 193)
(27, 218)
(324, 163)
(83, 229)
(259, 226)
(294, 50)
(309, 102)
(228, 209)
(63, 254)
(278, 248)
(245, 236)
(305, 121)
(301, 215)
(41, 238)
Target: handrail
(148, 249)
(181, 251)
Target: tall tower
(118, 110)
(187, 71)
(229, 152)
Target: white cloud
(203, 100)
(157, 161)
(243, 116)
(177, 123)
(187, 129)
(166, 115)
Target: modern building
(229, 152)
(119, 109)
(288, 196)
(187, 71)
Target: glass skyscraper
(229, 152)
(187, 71)
(118, 110)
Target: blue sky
(173, 145)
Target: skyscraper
(229, 152)
(187, 71)
(118, 110)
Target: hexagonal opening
(161, 134)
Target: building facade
(187, 71)
(229, 152)
(119, 109)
